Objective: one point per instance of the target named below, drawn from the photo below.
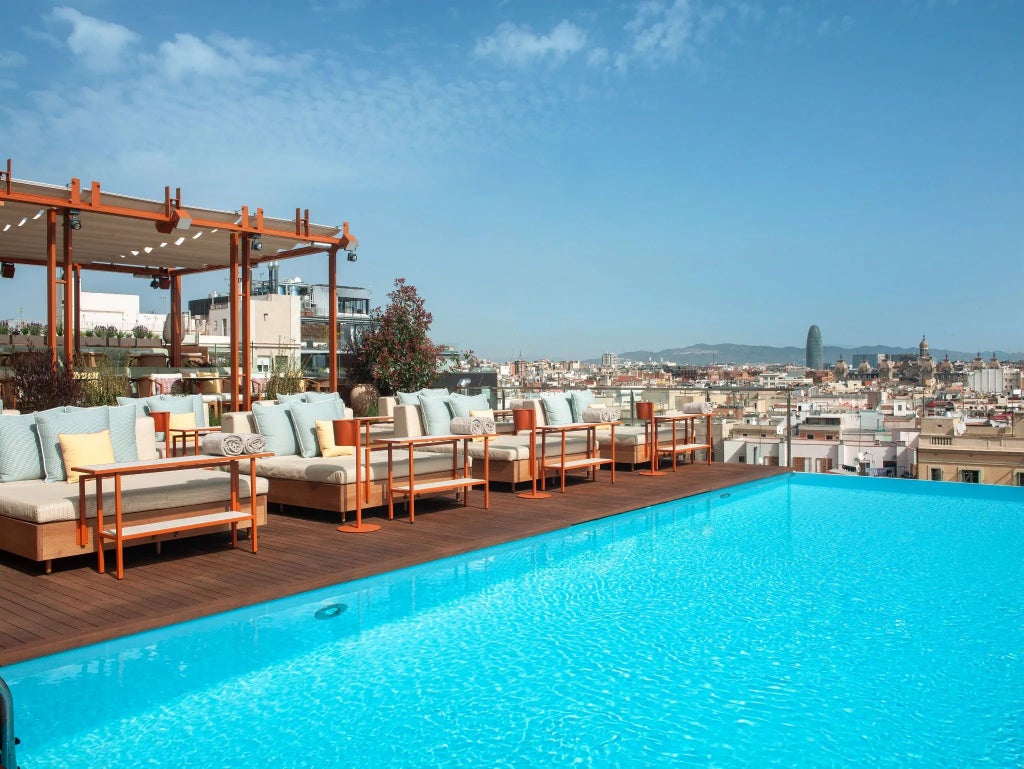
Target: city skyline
(562, 182)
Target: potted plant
(395, 353)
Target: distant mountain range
(703, 354)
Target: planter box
(27, 341)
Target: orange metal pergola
(155, 239)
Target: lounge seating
(39, 517)
(509, 453)
(301, 476)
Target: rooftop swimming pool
(799, 621)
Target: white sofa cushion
(342, 470)
(41, 502)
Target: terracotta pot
(363, 398)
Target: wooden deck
(300, 550)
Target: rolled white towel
(223, 444)
(698, 407)
(489, 425)
(254, 443)
(461, 426)
(602, 414)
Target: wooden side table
(526, 419)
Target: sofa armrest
(407, 422)
(386, 405)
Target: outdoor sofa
(39, 508)
(300, 475)
(430, 411)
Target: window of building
(810, 436)
(970, 476)
(822, 465)
(262, 364)
(936, 474)
(799, 464)
(1018, 479)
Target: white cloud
(831, 25)
(222, 57)
(102, 45)
(662, 33)
(11, 60)
(520, 47)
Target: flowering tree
(395, 352)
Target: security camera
(352, 256)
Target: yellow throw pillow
(325, 438)
(83, 449)
(338, 451)
(182, 421)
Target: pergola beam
(111, 233)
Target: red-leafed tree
(395, 352)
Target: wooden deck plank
(300, 550)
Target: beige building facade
(950, 450)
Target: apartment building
(972, 451)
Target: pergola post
(233, 311)
(332, 318)
(76, 281)
(51, 282)
(175, 321)
(69, 306)
(246, 325)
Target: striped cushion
(275, 425)
(20, 459)
(122, 432)
(304, 417)
(182, 404)
(557, 410)
(49, 426)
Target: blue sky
(562, 179)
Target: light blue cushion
(195, 403)
(49, 426)
(122, 432)
(315, 397)
(579, 400)
(20, 459)
(288, 398)
(437, 416)
(275, 425)
(141, 404)
(304, 417)
(462, 404)
(557, 410)
(172, 404)
(413, 399)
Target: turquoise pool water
(801, 621)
